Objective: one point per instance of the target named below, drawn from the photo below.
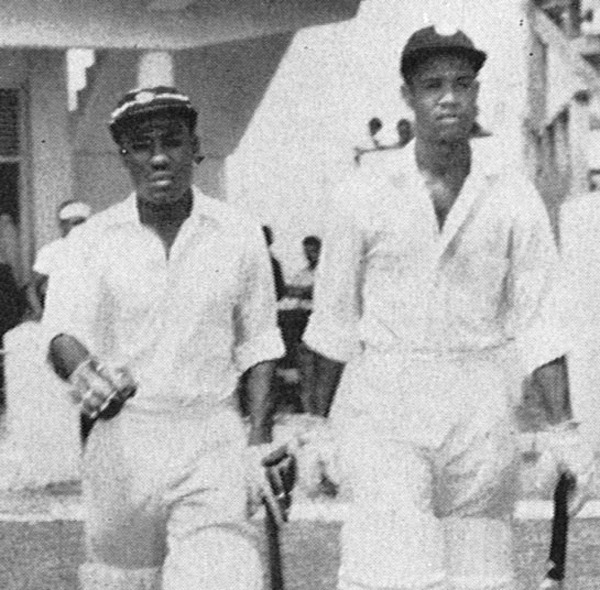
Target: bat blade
(557, 558)
(274, 561)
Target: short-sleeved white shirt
(186, 325)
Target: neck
(442, 157)
(160, 215)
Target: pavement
(41, 541)
(41, 537)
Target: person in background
(298, 306)
(52, 256)
(405, 132)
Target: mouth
(448, 118)
(161, 180)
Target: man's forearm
(329, 373)
(552, 383)
(261, 404)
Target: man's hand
(317, 457)
(566, 451)
(101, 389)
(270, 476)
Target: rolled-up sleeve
(333, 327)
(257, 336)
(73, 297)
(535, 288)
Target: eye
(173, 141)
(465, 83)
(431, 84)
(140, 145)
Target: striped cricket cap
(142, 102)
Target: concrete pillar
(50, 147)
(155, 68)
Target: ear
(196, 149)
(407, 94)
(123, 157)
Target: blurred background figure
(12, 299)
(375, 126)
(51, 256)
(296, 309)
(405, 133)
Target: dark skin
(311, 253)
(443, 97)
(159, 152)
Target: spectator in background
(51, 256)
(298, 306)
(50, 259)
(301, 287)
(405, 132)
(9, 245)
(12, 303)
(12, 306)
(275, 264)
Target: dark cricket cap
(142, 102)
(427, 42)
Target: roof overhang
(159, 24)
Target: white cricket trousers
(166, 504)
(428, 450)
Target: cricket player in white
(433, 293)
(168, 295)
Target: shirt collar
(203, 210)
(484, 158)
(484, 165)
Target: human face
(443, 96)
(312, 251)
(159, 154)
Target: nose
(448, 94)
(159, 157)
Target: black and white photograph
(300, 295)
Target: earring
(123, 151)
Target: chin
(454, 136)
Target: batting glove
(101, 389)
(270, 477)
(566, 451)
(317, 457)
